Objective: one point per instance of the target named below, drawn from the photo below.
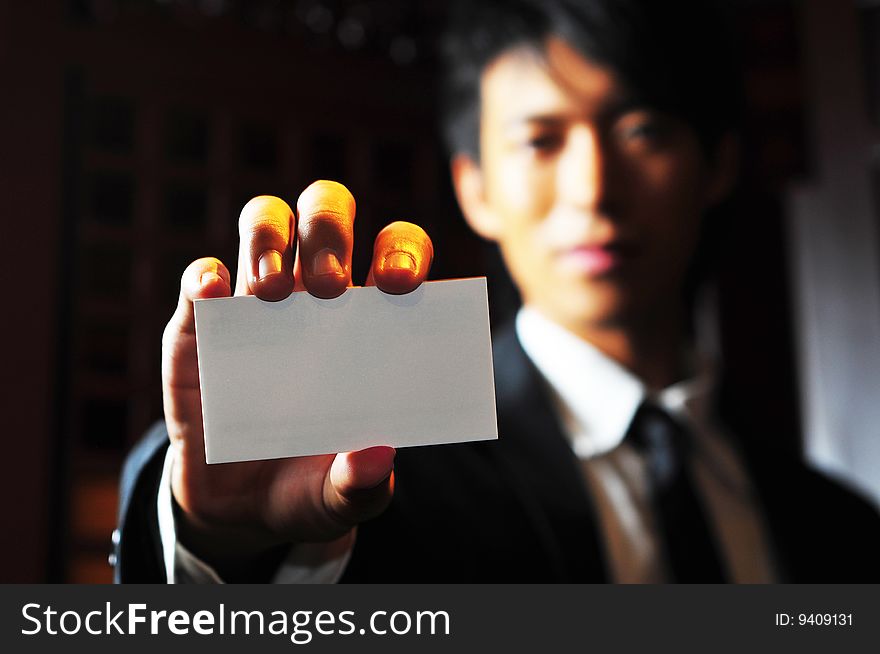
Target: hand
(233, 513)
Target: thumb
(359, 485)
(203, 278)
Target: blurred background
(132, 132)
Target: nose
(583, 176)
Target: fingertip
(325, 194)
(402, 257)
(205, 278)
(265, 227)
(364, 469)
(380, 455)
(397, 281)
(211, 284)
(326, 214)
(327, 288)
(327, 275)
(273, 287)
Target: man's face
(594, 202)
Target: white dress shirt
(596, 400)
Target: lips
(595, 259)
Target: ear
(467, 178)
(725, 169)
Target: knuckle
(259, 225)
(401, 230)
(324, 220)
(325, 196)
(264, 212)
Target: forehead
(521, 82)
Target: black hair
(671, 55)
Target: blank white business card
(310, 376)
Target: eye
(642, 129)
(543, 143)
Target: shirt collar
(597, 397)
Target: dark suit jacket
(516, 509)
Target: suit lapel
(542, 468)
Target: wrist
(235, 555)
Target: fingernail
(400, 261)
(326, 263)
(270, 263)
(209, 278)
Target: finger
(203, 278)
(266, 229)
(325, 212)
(402, 257)
(359, 485)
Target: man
(589, 139)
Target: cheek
(521, 188)
(669, 194)
(522, 196)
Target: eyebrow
(612, 110)
(549, 119)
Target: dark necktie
(683, 529)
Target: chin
(602, 309)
